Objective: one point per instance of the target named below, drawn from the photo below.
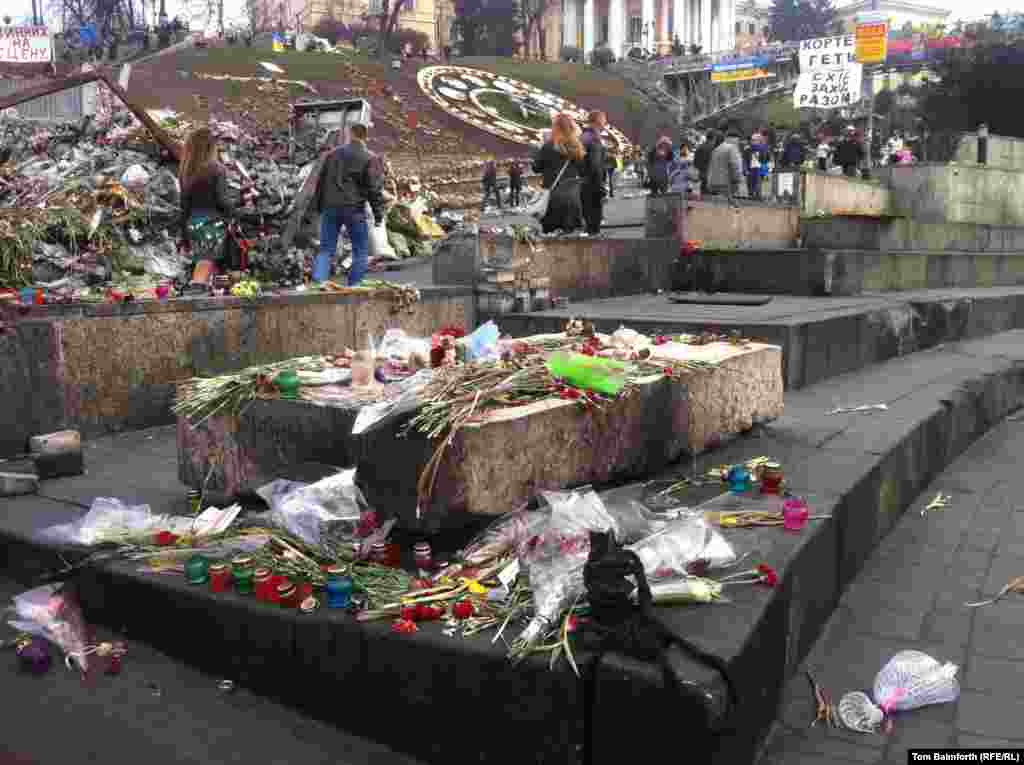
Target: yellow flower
(474, 586)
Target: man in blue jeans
(350, 177)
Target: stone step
(862, 470)
(820, 337)
(894, 234)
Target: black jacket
(549, 162)
(593, 172)
(849, 153)
(208, 192)
(702, 157)
(351, 176)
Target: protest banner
(872, 37)
(830, 76)
(26, 45)
(741, 70)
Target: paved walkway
(911, 595)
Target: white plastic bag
(912, 679)
(407, 399)
(575, 513)
(398, 346)
(306, 509)
(482, 343)
(135, 178)
(108, 520)
(380, 247)
(680, 543)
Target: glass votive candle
(242, 573)
(423, 555)
(220, 577)
(288, 595)
(197, 570)
(794, 513)
(261, 582)
(771, 478)
(393, 555)
(339, 589)
(739, 479)
(379, 553)
(28, 296)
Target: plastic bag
(577, 513)
(635, 520)
(380, 247)
(304, 510)
(135, 178)
(669, 551)
(406, 399)
(503, 536)
(53, 614)
(482, 344)
(398, 346)
(912, 679)
(108, 520)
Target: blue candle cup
(339, 592)
(739, 480)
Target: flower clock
(507, 108)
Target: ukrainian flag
(278, 43)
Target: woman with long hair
(205, 208)
(562, 153)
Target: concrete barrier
(579, 269)
(720, 226)
(1003, 151)
(957, 193)
(839, 195)
(105, 368)
(842, 232)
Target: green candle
(243, 581)
(288, 384)
(197, 570)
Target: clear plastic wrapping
(912, 679)
(398, 346)
(307, 510)
(406, 399)
(504, 536)
(108, 520)
(51, 613)
(670, 551)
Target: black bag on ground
(630, 628)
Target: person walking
(755, 164)
(702, 159)
(793, 153)
(725, 171)
(822, 155)
(206, 210)
(850, 153)
(592, 176)
(490, 183)
(562, 162)
(351, 177)
(660, 165)
(515, 182)
(611, 164)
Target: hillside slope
(174, 81)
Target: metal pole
(871, 105)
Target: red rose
(668, 371)
(462, 610)
(165, 539)
(768, 576)
(408, 613)
(404, 627)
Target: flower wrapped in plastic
(672, 550)
(554, 561)
(52, 613)
(307, 510)
(503, 537)
(690, 589)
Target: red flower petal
(425, 613)
(165, 539)
(572, 624)
(409, 613)
(462, 610)
(404, 627)
(768, 576)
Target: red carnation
(425, 613)
(404, 627)
(572, 624)
(660, 340)
(165, 539)
(462, 610)
(569, 393)
(768, 576)
(408, 613)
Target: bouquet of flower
(51, 613)
(672, 550)
(501, 538)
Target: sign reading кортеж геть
(25, 45)
(830, 76)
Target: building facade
(431, 17)
(648, 25)
(903, 15)
(753, 25)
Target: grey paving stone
(1004, 568)
(989, 715)
(996, 677)
(896, 623)
(999, 631)
(913, 731)
(814, 742)
(951, 626)
(966, 741)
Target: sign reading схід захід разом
(830, 76)
(25, 45)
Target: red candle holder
(276, 581)
(393, 556)
(771, 478)
(220, 577)
(262, 583)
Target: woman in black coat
(564, 149)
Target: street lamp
(982, 144)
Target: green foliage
(973, 86)
(572, 53)
(793, 20)
(602, 58)
(508, 110)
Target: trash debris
(859, 409)
(226, 686)
(941, 502)
(858, 713)
(825, 712)
(1013, 586)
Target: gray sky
(961, 9)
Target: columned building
(649, 25)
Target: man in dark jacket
(592, 191)
(702, 160)
(350, 177)
(515, 182)
(850, 153)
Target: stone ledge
(948, 398)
